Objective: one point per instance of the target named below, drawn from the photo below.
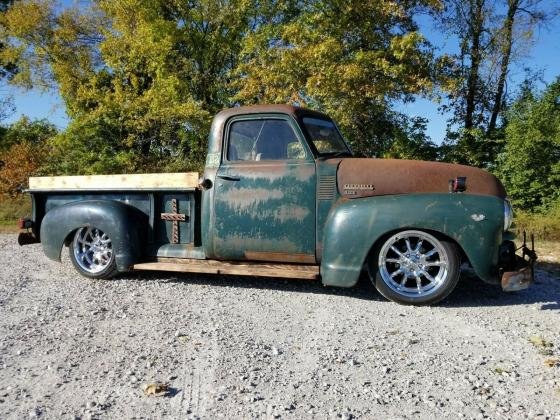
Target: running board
(245, 268)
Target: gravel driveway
(236, 347)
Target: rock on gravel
(234, 347)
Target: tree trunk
(513, 6)
(476, 27)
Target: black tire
(414, 267)
(92, 254)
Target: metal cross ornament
(174, 217)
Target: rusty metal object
(393, 176)
(513, 281)
(523, 275)
(174, 217)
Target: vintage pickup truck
(281, 195)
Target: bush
(19, 162)
(12, 208)
(545, 226)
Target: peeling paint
(248, 198)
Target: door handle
(229, 178)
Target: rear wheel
(413, 267)
(91, 252)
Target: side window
(263, 139)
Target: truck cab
(282, 195)
(273, 171)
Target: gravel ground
(237, 347)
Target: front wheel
(413, 267)
(91, 253)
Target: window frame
(259, 117)
(309, 140)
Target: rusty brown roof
(268, 108)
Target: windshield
(325, 136)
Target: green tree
(27, 131)
(491, 35)
(349, 59)
(142, 80)
(530, 162)
(411, 142)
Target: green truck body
(281, 188)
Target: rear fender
(123, 223)
(354, 227)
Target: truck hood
(371, 177)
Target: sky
(544, 56)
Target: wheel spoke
(395, 250)
(432, 252)
(392, 260)
(408, 246)
(435, 264)
(418, 245)
(88, 258)
(396, 273)
(418, 283)
(428, 276)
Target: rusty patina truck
(281, 195)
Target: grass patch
(543, 226)
(11, 209)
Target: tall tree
(489, 34)
(141, 80)
(530, 162)
(350, 59)
(7, 69)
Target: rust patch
(513, 281)
(280, 257)
(393, 176)
(174, 217)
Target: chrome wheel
(92, 250)
(413, 264)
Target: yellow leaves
(27, 18)
(20, 161)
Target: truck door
(264, 196)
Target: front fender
(124, 225)
(354, 226)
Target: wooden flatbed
(167, 181)
(245, 268)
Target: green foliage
(26, 131)
(530, 162)
(22, 152)
(348, 59)
(472, 147)
(410, 141)
(142, 80)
